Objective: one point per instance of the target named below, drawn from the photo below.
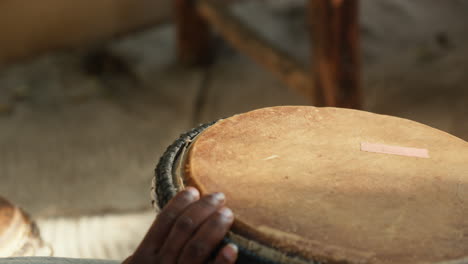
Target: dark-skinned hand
(187, 231)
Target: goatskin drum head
(338, 185)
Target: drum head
(338, 185)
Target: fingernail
(226, 212)
(219, 196)
(193, 192)
(234, 248)
(231, 252)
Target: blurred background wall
(31, 27)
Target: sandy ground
(81, 131)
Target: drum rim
(166, 189)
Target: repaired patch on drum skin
(394, 150)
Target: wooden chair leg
(336, 52)
(243, 38)
(194, 39)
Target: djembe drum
(328, 185)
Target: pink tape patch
(394, 150)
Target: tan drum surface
(297, 178)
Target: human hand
(188, 230)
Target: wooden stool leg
(194, 42)
(336, 51)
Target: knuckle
(185, 224)
(159, 259)
(198, 249)
(167, 216)
(163, 260)
(166, 257)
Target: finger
(187, 224)
(161, 227)
(227, 255)
(208, 237)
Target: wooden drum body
(329, 185)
